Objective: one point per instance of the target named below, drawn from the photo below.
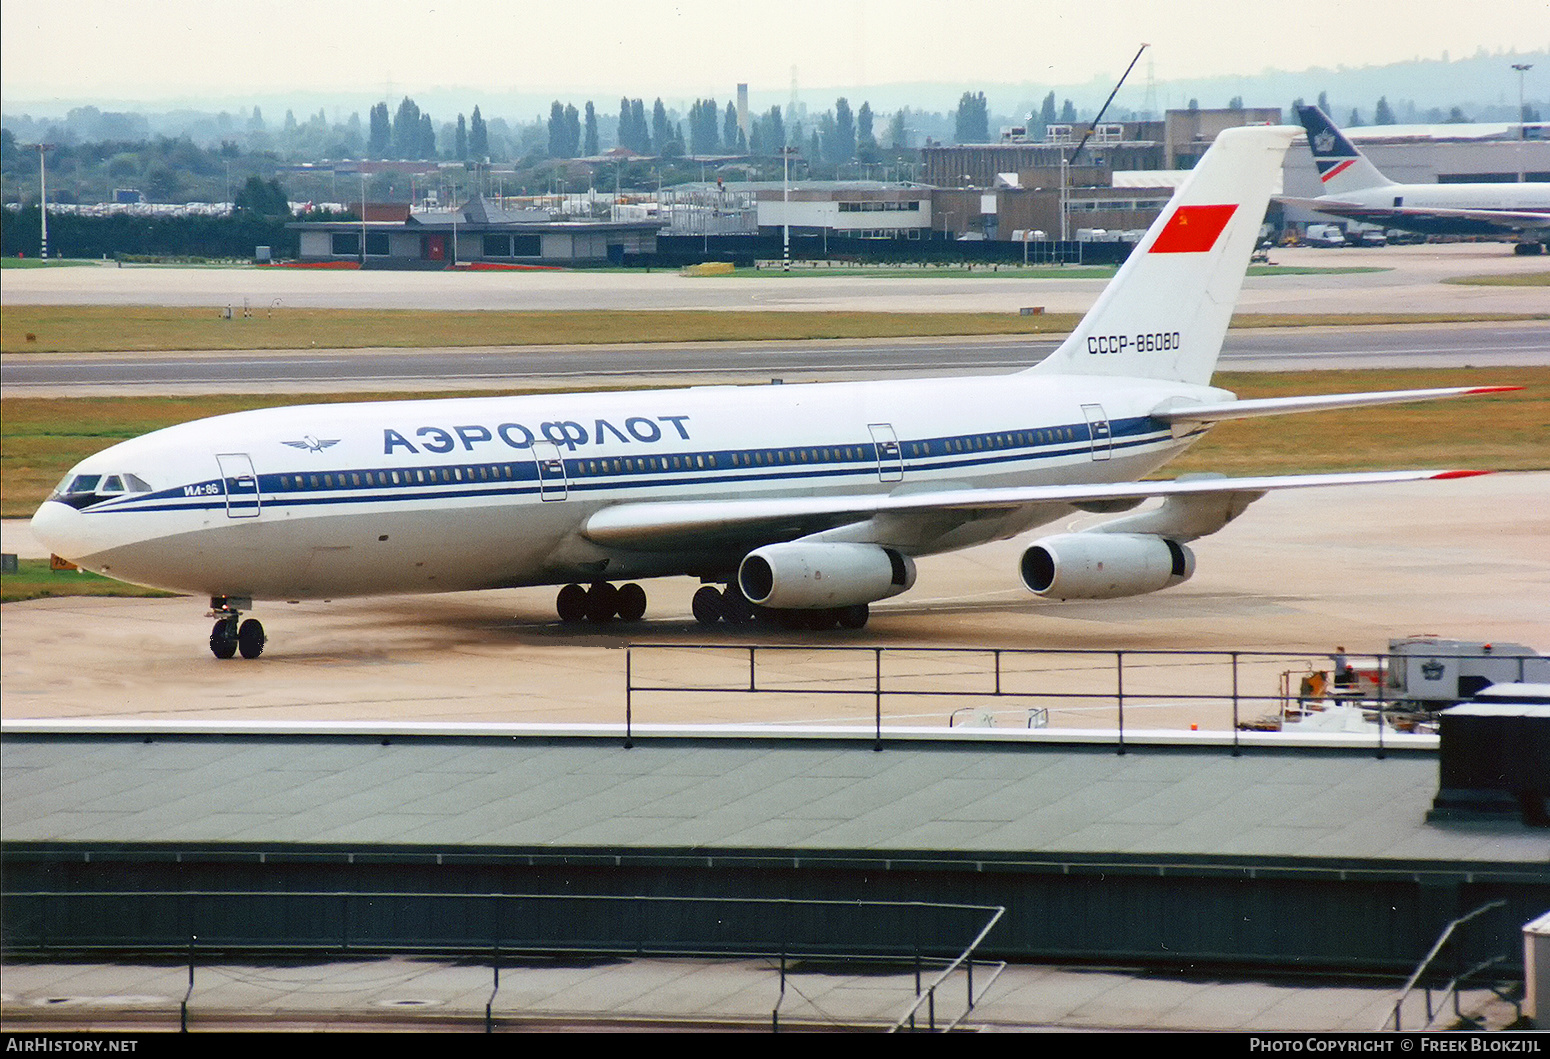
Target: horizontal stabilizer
(1189, 415)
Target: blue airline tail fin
(1342, 168)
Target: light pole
(1522, 69)
(785, 215)
(363, 216)
(43, 149)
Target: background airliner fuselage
(1356, 190)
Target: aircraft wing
(1440, 220)
(670, 525)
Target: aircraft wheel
(571, 603)
(789, 619)
(708, 606)
(854, 617)
(735, 606)
(223, 639)
(251, 638)
(632, 602)
(602, 602)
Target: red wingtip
(1459, 474)
(1494, 389)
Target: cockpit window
(83, 490)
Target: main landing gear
(601, 603)
(712, 605)
(231, 634)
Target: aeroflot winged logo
(311, 444)
(1193, 229)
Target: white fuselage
(324, 501)
(1504, 196)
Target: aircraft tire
(631, 602)
(602, 602)
(854, 617)
(735, 607)
(571, 603)
(708, 606)
(788, 618)
(223, 643)
(251, 638)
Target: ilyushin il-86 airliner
(801, 504)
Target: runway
(1410, 279)
(1477, 345)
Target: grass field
(36, 262)
(40, 439)
(77, 329)
(1527, 279)
(146, 328)
(34, 580)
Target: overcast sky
(206, 52)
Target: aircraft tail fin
(1165, 313)
(1342, 168)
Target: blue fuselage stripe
(773, 466)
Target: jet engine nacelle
(812, 576)
(1104, 565)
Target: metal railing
(928, 995)
(1041, 686)
(1451, 988)
(203, 925)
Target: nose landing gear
(231, 635)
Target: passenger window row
(612, 465)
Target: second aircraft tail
(1342, 168)
(1165, 313)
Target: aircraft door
(552, 483)
(890, 459)
(1098, 431)
(240, 485)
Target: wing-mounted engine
(1104, 565)
(1132, 555)
(810, 575)
(1186, 517)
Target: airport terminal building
(479, 233)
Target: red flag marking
(1193, 229)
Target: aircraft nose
(60, 528)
